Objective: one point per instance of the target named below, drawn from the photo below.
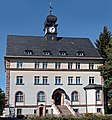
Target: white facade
(58, 84)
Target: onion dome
(50, 20)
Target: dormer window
(46, 52)
(63, 53)
(80, 53)
(29, 52)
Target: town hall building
(51, 75)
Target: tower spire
(51, 8)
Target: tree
(103, 41)
(104, 47)
(2, 101)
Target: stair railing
(71, 109)
(55, 109)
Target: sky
(76, 18)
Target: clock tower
(50, 27)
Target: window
(45, 79)
(80, 53)
(78, 65)
(35, 111)
(44, 65)
(36, 79)
(74, 96)
(19, 111)
(63, 53)
(91, 80)
(91, 66)
(37, 65)
(29, 52)
(99, 110)
(97, 95)
(58, 80)
(57, 65)
(41, 96)
(19, 80)
(76, 110)
(77, 80)
(70, 80)
(46, 52)
(70, 65)
(19, 64)
(19, 97)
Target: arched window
(74, 96)
(19, 97)
(41, 96)
(97, 95)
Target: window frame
(78, 66)
(70, 65)
(41, 97)
(19, 80)
(75, 96)
(36, 80)
(57, 65)
(37, 65)
(91, 80)
(91, 66)
(58, 80)
(70, 80)
(45, 80)
(98, 95)
(19, 65)
(19, 97)
(45, 64)
(78, 80)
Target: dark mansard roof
(40, 46)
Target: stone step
(64, 110)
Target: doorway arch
(58, 96)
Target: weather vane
(51, 8)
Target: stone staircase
(64, 110)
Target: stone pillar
(62, 99)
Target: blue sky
(76, 18)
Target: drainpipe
(86, 100)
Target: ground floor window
(74, 96)
(19, 111)
(99, 110)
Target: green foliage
(88, 116)
(103, 42)
(2, 101)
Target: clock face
(52, 29)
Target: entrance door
(40, 111)
(57, 98)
